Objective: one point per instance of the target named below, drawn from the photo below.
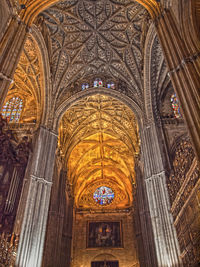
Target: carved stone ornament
(182, 162)
(92, 37)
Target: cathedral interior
(99, 133)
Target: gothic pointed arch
(156, 80)
(46, 76)
(32, 9)
(98, 139)
(69, 101)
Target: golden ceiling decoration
(28, 82)
(98, 138)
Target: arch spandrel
(99, 152)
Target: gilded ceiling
(28, 81)
(92, 37)
(98, 139)
(98, 136)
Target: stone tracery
(87, 40)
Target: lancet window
(175, 106)
(12, 109)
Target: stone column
(33, 227)
(144, 232)
(10, 50)
(183, 65)
(66, 244)
(164, 234)
(57, 250)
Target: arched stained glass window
(111, 85)
(12, 109)
(175, 106)
(103, 195)
(98, 83)
(85, 86)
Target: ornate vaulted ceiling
(98, 138)
(93, 37)
(28, 81)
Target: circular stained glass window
(103, 195)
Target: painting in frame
(104, 234)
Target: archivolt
(67, 103)
(155, 74)
(34, 7)
(45, 92)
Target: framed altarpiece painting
(104, 234)
(105, 264)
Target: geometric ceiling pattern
(28, 81)
(98, 139)
(91, 37)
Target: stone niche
(126, 253)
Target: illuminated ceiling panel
(99, 139)
(28, 81)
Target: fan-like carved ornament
(92, 37)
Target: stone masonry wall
(126, 255)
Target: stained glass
(98, 83)
(85, 86)
(175, 106)
(103, 195)
(111, 85)
(12, 109)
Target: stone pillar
(57, 250)
(37, 200)
(183, 68)
(144, 232)
(66, 244)
(164, 234)
(10, 50)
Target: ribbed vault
(95, 37)
(98, 138)
(28, 82)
